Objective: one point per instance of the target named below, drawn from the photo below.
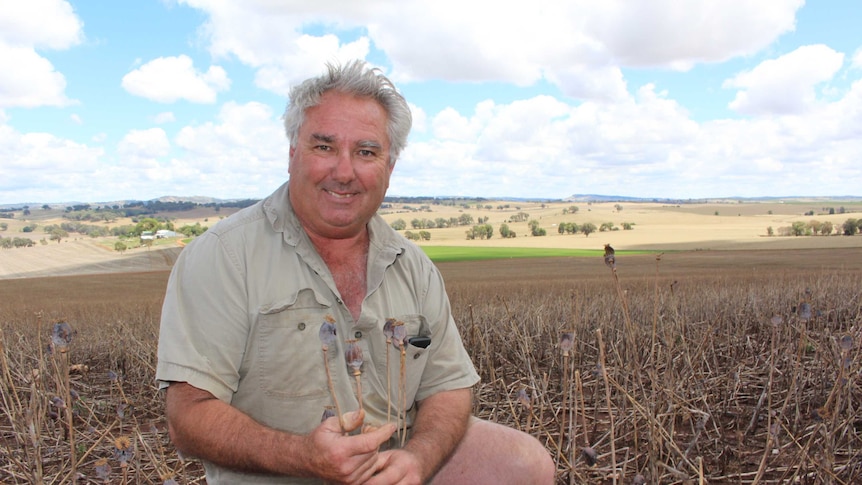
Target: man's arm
(441, 421)
(203, 426)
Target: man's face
(339, 165)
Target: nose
(343, 171)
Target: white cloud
(144, 144)
(646, 145)
(292, 69)
(579, 45)
(48, 24)
(46, 167)
(680, 34)
(76, 118)
(169, 79)
(242, 153)
(420, 119)
(856, 62)
(164, 117)
(26, 78)
(785, 85)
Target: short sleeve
(204, 321)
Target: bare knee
(493, 453)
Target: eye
(367, 153)
(323, 148)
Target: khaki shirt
(243, 309)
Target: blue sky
(103, 101)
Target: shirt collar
(279, 212)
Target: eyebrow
(370, 144)
(361, 144)
(323, 138)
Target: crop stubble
(718, 391)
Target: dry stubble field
(692, 367)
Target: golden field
(660, 227)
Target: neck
(339, 249)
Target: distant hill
(708, 200)
(429, 199)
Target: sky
(108, 100)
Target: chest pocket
(290, 360)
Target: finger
(353, 420)
(387, 470)
(378, 436)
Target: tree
(425, 235)
(769, 231)
(505, 232)
(850, 227)
(120, 247)
(815, 226)
(588, 228)
(147, 224)
(628, 226)
(58, 234)
(797, 228)
(826, 228)
(535, 230)
(567, 228)
(399, 225)
(618, 207)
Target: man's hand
(207, 428)
(345, 459)
(397, 467)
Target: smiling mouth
(339, 195)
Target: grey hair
(358, 79)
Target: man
(240, 349)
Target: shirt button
(301, 326)
(416, 355)
(339, 301)
(358, 334)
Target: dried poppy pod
(103, 470)
(610, 259)
(399, 335)
(590, 455)
(805, 311)
(388, 329)
(353, 356)
(524, 399)
(61, 336)
(123, 450)
(846, 343)
(327, 333)
(567, 343)
(328, 412)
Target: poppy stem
(332, 391)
